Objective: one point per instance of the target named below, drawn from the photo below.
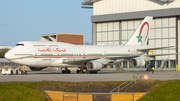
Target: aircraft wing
(122, 57)
(77, 60)
(85, 60)
(147, 49)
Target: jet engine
(94, 66)
(37, 68)
(137, 62)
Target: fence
(70, 96)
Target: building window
(108, 33)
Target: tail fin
(140, 36)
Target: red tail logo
(145, 23)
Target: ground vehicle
(17, 71)
(10, 71)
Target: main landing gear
(91, 72)
(80, 70)
(65, 71)
(83, 71)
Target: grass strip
(34, 91)
(169, 91)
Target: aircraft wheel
(68, 71)
(88, 72)
(63, 72)
(93, 72)
(78, 71)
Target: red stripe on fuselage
(61, 57)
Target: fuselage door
(133, 52)
(104, 53)
(84, 54)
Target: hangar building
(77, 39)
(114, 21)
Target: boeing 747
(39, 54)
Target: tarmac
(101, 76)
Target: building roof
(89, 2)
(53, 37)
(62, 33)
(3, 60)
(64, 37)
(1, 47)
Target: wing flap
(123, 57)
(85, 60)
(77, 60)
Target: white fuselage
(51, 54)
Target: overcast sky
(27, 20)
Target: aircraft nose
(8, 55)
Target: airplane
(42, 54)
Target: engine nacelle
(137, 62)
(37, 68)
(94, 66)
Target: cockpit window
(19, 44)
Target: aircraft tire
(80, 71)
(87, 72)
(93, 72)
(68, 71)
(63, 72)
(77, 71)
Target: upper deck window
(53, 45)
(39, 45)
(19, 44)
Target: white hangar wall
(162, 33)
(121, 6)
(114, 21)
